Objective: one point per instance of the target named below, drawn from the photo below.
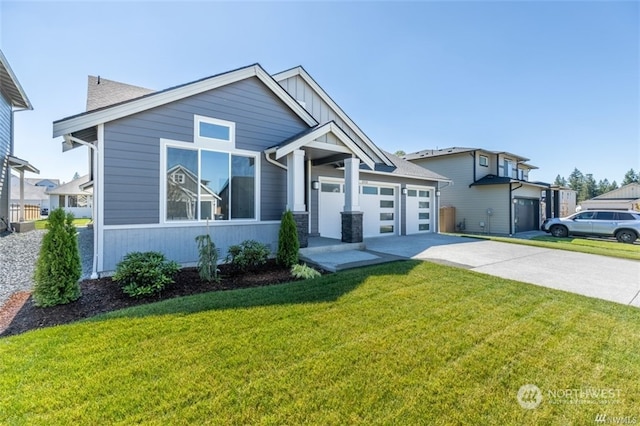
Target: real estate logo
(529, 396)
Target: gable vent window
(214, 132)
(484, 161)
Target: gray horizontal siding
(179, 243)
(5, 150)
(132, 147)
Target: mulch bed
(20, 314)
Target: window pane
(386, 203)
(386, 191)
(243, 188)
(370, 190)
(214, 189)
(423, 204)
(604, 216)
(423, 194)
(182, 192)
(386, 216)
(214, 131)
(423, 227)
(72, 201)
(412, 193)
(386, 229)
(330, 187)
(423, 216)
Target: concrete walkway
(616, 280)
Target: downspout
(68, 139)
(511, 207)
(271, 160)
(474, 165)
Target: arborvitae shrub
(288, 244)
(58, 268)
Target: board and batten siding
(119, 242)
(132, 147)
(320, 110)
(5, 151)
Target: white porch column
(21, 214)
(351, 180)
(295, 181)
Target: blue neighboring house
(12, 99)
(231, 153)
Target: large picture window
(209, 185)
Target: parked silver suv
(624, 225)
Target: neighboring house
(491, 191)
(74, 197)
(12, 99)
(34, 193)
(258, 144)
(46, 183)
(563, 201)
(624, 198)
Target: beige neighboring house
(564, 201)
(35, 191)
(491, 190)
(623, 198)
(75, 197)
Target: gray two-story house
(12, 99)
(490, 190)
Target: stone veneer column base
(351, 227)
(302, 224)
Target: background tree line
(587, 187)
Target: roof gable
(300, 72)
(10, 87)
(152, 100)
(630, 191)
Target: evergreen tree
(576, 178)
(76, 176)
(288, 243)
(631, 177)
(560, 181)
(400, 153)
(604, 186)
(588, 189)
(58, 268)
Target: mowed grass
(400, 343)
(43, 223)
(583, 245)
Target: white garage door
(419, 204)
(378, 202)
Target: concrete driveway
(608, 278)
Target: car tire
(626, 236)
(559, 231)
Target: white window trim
(486, 160)
(222, 144)
(199, 146)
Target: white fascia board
(154, 100)
(330, 127)
(374, 172)
(339, 112)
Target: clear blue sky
(556, 82)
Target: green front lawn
(582, 245)
(42, 223)
(401, 343)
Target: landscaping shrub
(288, 244)
(207, 258)
(58, 268)
(145, 273)
(247, 255)
(304, 272)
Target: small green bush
(247, 255)
(288, 244)
(145, 273)
(304, 272)
(207, 258)
(58, 268)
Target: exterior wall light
(315, 185)
(404, 191)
